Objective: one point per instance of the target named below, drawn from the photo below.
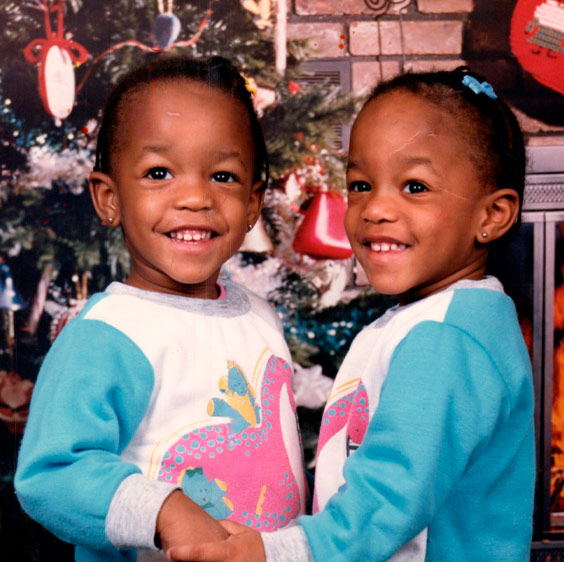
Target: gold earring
(111, 220)
(250, 227)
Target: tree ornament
(322, 233)
(10, 302)
(166, 33)
(76, 305)
(15, 395)
(166, 26)
(57, 57)
(64, 317)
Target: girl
(155, 407)
(426, 450)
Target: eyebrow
(220, 155)
(407, 160)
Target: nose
(192, 193)
(381, 206)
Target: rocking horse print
(228, 468)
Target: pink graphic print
(242, 474)
(352, 411)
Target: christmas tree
(56, 252)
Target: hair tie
(249, 85)
(479, 87)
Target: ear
(103, 192)
(501, 209)
(255, 203)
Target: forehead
(181, 108)
(398, 124)
(178, 97)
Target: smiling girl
(158, 404)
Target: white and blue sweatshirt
(426, 450)
(144, 393)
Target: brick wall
(412, 35)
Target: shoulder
(258, 305)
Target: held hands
(242, 545)
(182, 521)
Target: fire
(557, 469)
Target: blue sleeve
(441, 399)
(92, 391)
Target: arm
(441, 400)
(442, 397)
(91, 393)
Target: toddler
(167, 402)
(426, 451)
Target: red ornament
(15, 395)
(537, 40)
(294, 87)
(322, 232)
(56, 56)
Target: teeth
(193, 236)
(387, 247)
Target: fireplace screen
(534, 277)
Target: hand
(243, 545)
(182, 521)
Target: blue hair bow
(479, 87)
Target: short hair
(216, 72)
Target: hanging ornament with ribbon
(56, 58)
(166, 26)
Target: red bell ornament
(322, 233)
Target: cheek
(351, 220)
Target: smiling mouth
(191, 235)
(384, 247)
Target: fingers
(203, 552)
(233, 528)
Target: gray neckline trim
(235, 303)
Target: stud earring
(250, 227)
(484, 235)
(111, 220)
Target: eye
(359, 186)
(158, 174)
(224, 177)
(414, 187)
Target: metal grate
(335, 73)
(548, 554)
(543, 194)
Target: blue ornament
(9, 297)
(166, 29)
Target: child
(170, 392)
(426, 449)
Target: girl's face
(415, 200)
(182, 185)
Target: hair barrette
(479, 87)
(249, 85)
